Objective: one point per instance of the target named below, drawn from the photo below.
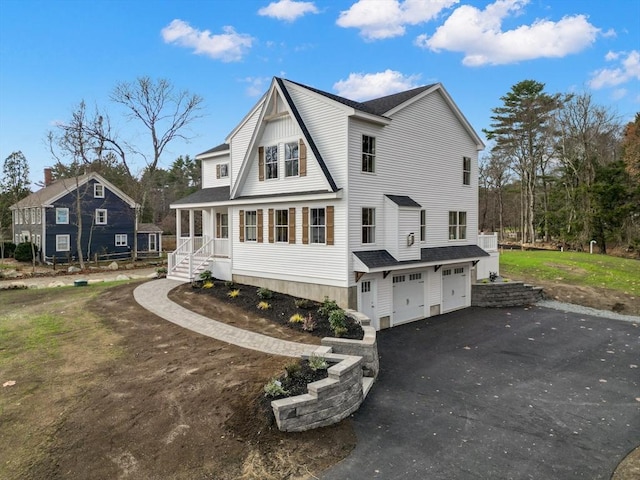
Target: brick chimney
(48, 177)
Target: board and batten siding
(309, 263)
(278, 132)
(420, 155)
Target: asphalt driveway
(500, 394)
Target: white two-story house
(373, 204)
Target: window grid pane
(251, 226)
(368, 154)
(368, 225)
(291, 159)
(282, 226)
(271, 162)
(318, 225)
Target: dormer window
(222, 170)
(98, 190)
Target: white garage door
(454, 288)
(408, 297)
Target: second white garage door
(408, 297)
(454, 288)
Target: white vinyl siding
(212, 169)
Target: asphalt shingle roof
(382, 258)
(205, 195)
(219, 148)
(403, 201)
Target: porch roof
(205, 195)
(382, 259)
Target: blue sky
(53, 54)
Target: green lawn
(574, 268)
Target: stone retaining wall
(504, 294)
(328, 401)
(367, 348)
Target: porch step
(181, 271)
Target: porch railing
(191, 253)
(221, 247)
(488, 242)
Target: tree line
(560, 169)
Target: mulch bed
(282, 308)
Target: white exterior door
(153, 244)
(367, 301)
(454, 288)
(408, 297)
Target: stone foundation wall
(504, 294)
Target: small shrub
(264, 293)
(337, 318)
(340, 331)
(293, 369)
(484, 280)
(309, 324)
(162, 272)
(304, 303)
(208, 284)
(316, 362)
(233, 293)
(9, 249)
(230, 285)
(296, 318)
(327, 307)
(24, 252)
(206, 276)
(274, 388)
(264, 306)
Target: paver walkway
(153, 296)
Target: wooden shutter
(292, 225)
(261, 164)
(241, 223)
(302, 168)
(271, 226)
(260, 225)
(305, 225)
(329, 221)
(218, 171)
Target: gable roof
(223, 147)
(149, 228)
(60, 188)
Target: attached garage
(454, 288)
(408, 297)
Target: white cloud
(478, 34)
(257, 85)
(229, 46)
(365, 86)
(378, 19)
(287, 10)
(628, 69)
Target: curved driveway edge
(153, 296)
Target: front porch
(205, 245)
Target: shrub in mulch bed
(310, 316)
(294, 380)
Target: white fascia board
(208, 156)
(413, 266)
(368, 117)
(257, 200)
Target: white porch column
(192, 227)
(178, 225)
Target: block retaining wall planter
(504, 294)
(340, 394)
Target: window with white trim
(282, 226)
(98, 190)
(291, 159)
(224, 170)
(101, 216)
(466, 171)
(38, 216)
(317, 225)
(251, 226)
(368, 154)
(121, 240)
(62, 243)
(423, 225)
(457, 225)
(368, 225)
(62, 216)
(222, 225)
(271, 162)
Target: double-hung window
(368, 225)
(291, 159)
(368, 154)
(98, 190)
(423, 225)
(271, 162)
(62, 243)
(222, 225)
(121, 239)
(224, 170)
(457, 225)
(282, 225)
(318, 225)
(251, 226)
(62, 216)
(101, 216)
(466, 171)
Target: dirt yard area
(172, 404)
